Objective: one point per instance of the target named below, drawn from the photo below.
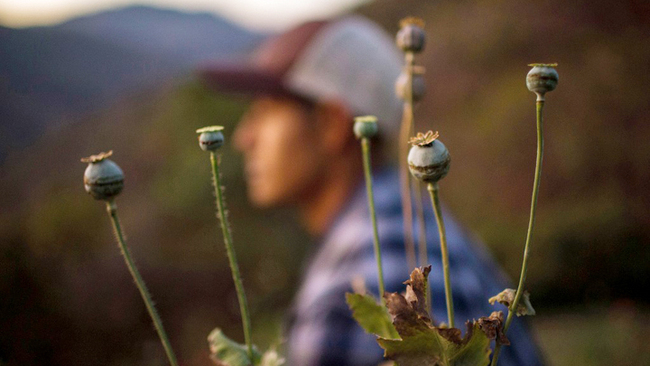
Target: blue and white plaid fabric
(321, 329)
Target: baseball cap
(350, 60)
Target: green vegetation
(595, 336)
(592, 237)
(174, 241)
(595, 201)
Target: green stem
(531, 224)
(227, 238)
(365, 147)
(111, 207)
(407, 208)
(405, 178)
(435, 202)
(415, 184)
(422, 237)
(422, 229)
(409, 120)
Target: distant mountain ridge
(51, 75)
(191, 37)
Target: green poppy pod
(542, 78)
(428, 158)
(411, 36)
(210, 138)
(103, 179)
(365, 126)
(418, 86)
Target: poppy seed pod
(365, 126)
(103, 179)
(210, 138)
(428, 158)
(418, 85)
(411, 36)
(542, 78)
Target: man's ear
(334, 121)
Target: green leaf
(226, 352)
(372, 317)
(440, 347)
(420, 343)
(474, 350)
(424, 344)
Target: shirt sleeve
(330, 336)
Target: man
(299, 150)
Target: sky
(265, 15)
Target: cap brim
(244, 80)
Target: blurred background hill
(123, 80)
(54, 75)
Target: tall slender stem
(423, 255)
(435, 202)
(405, 178)
(227, 238)
(422, 236)
(531, 224)
(111, 207)
(365, 147)
(416, 185)
(411, 184)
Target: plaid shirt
(322, 331)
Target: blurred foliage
(592, 237)
(616, 335)
(68, 299)
(61, 266)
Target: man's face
(281, 151)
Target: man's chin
(263, 199)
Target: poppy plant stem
(111, 208)
(415, 185)
(365, 147)
(422, 236)
(531, 224)
(435, 202)
(405, 179)
(232, 258)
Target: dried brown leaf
(492, 326)
(416, 291)
(420, 343)
(507, 296)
